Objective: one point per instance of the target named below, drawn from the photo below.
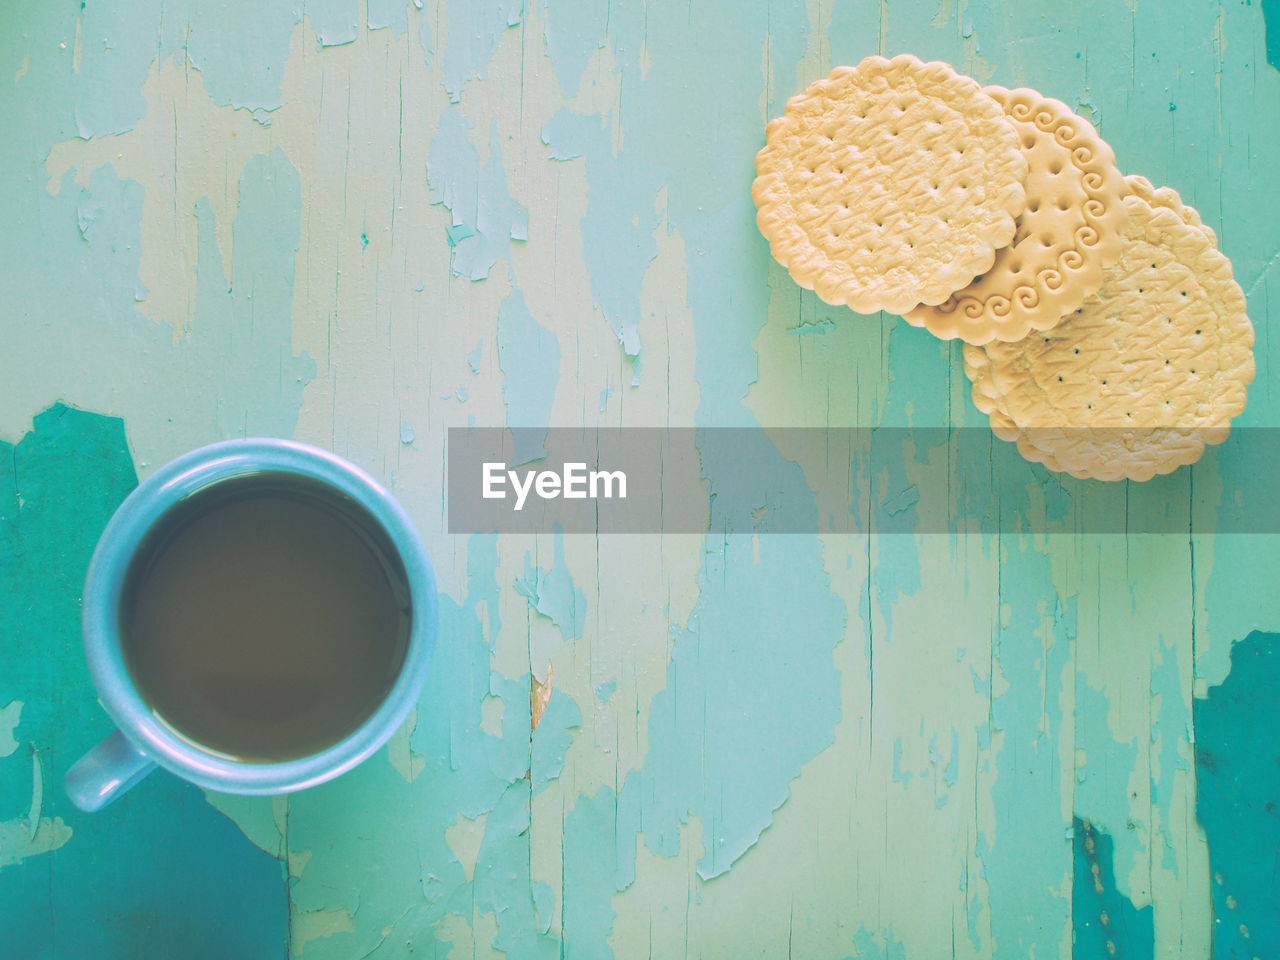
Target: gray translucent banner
(755, 480)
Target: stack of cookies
(1104, 333)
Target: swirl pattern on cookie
(1146, 372)
(1068, 233)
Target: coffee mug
(191, 702)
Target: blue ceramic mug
(142, 740)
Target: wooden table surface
(362, 223)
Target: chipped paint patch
(310, 925)
(529, 355)
(58, 486)
(1105, 921)
(553, 593)
(1238, 800)
(10, 715)
(485, 218)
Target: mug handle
(105, 772)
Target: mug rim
(119, 542)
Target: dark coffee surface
(265, 619)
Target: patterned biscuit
(889, 184)
(1143, 374)
(1068, 233)
(1168, 197)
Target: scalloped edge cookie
(1068, 233)
(889, 184)
(1118, 333)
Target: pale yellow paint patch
(23, 69)
(471, 940)
(298, 860)
(306, 926)
(256, 818)
(22, 838)
(10, 715)
(464, 837)
(492, 709)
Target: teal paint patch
(553, 593)
(485, 217)
(115, 57)
(599, 858)
(1168, 733)
(1271, 15)
(476, 27)
(104, 216)
(816, 327)
(544, 901)
(1102, 784)
(425, 36)
(951, 774)
(1105, 921)
(726, 738)
(575, 29)
(899, 775)
(1238, 798)
(122, 884)
(552, 739)
(529, 355)
(1026, 861)
(335, 21)
(618, 242)
(606, 690)
(239, 47)
(389, 13)
(868, 946)
(503, 885)
(247, 323)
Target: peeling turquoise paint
(335, 22)
(1104, 920)
(553, 593)
(239, 47)
(394, 14)
(138, 878)
(575, 29)
(476, 27)
(618, 242)
(1238, 798)
(1101, 793)
(868, 946)
(485, 217)
(117, 55)
(1026, 862)
(1271, 11)
(529, 355)
(1169, 731)
(551, 741)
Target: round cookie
(1068, 233)
(889, 184)
(1168, 197)
(1143, 374)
